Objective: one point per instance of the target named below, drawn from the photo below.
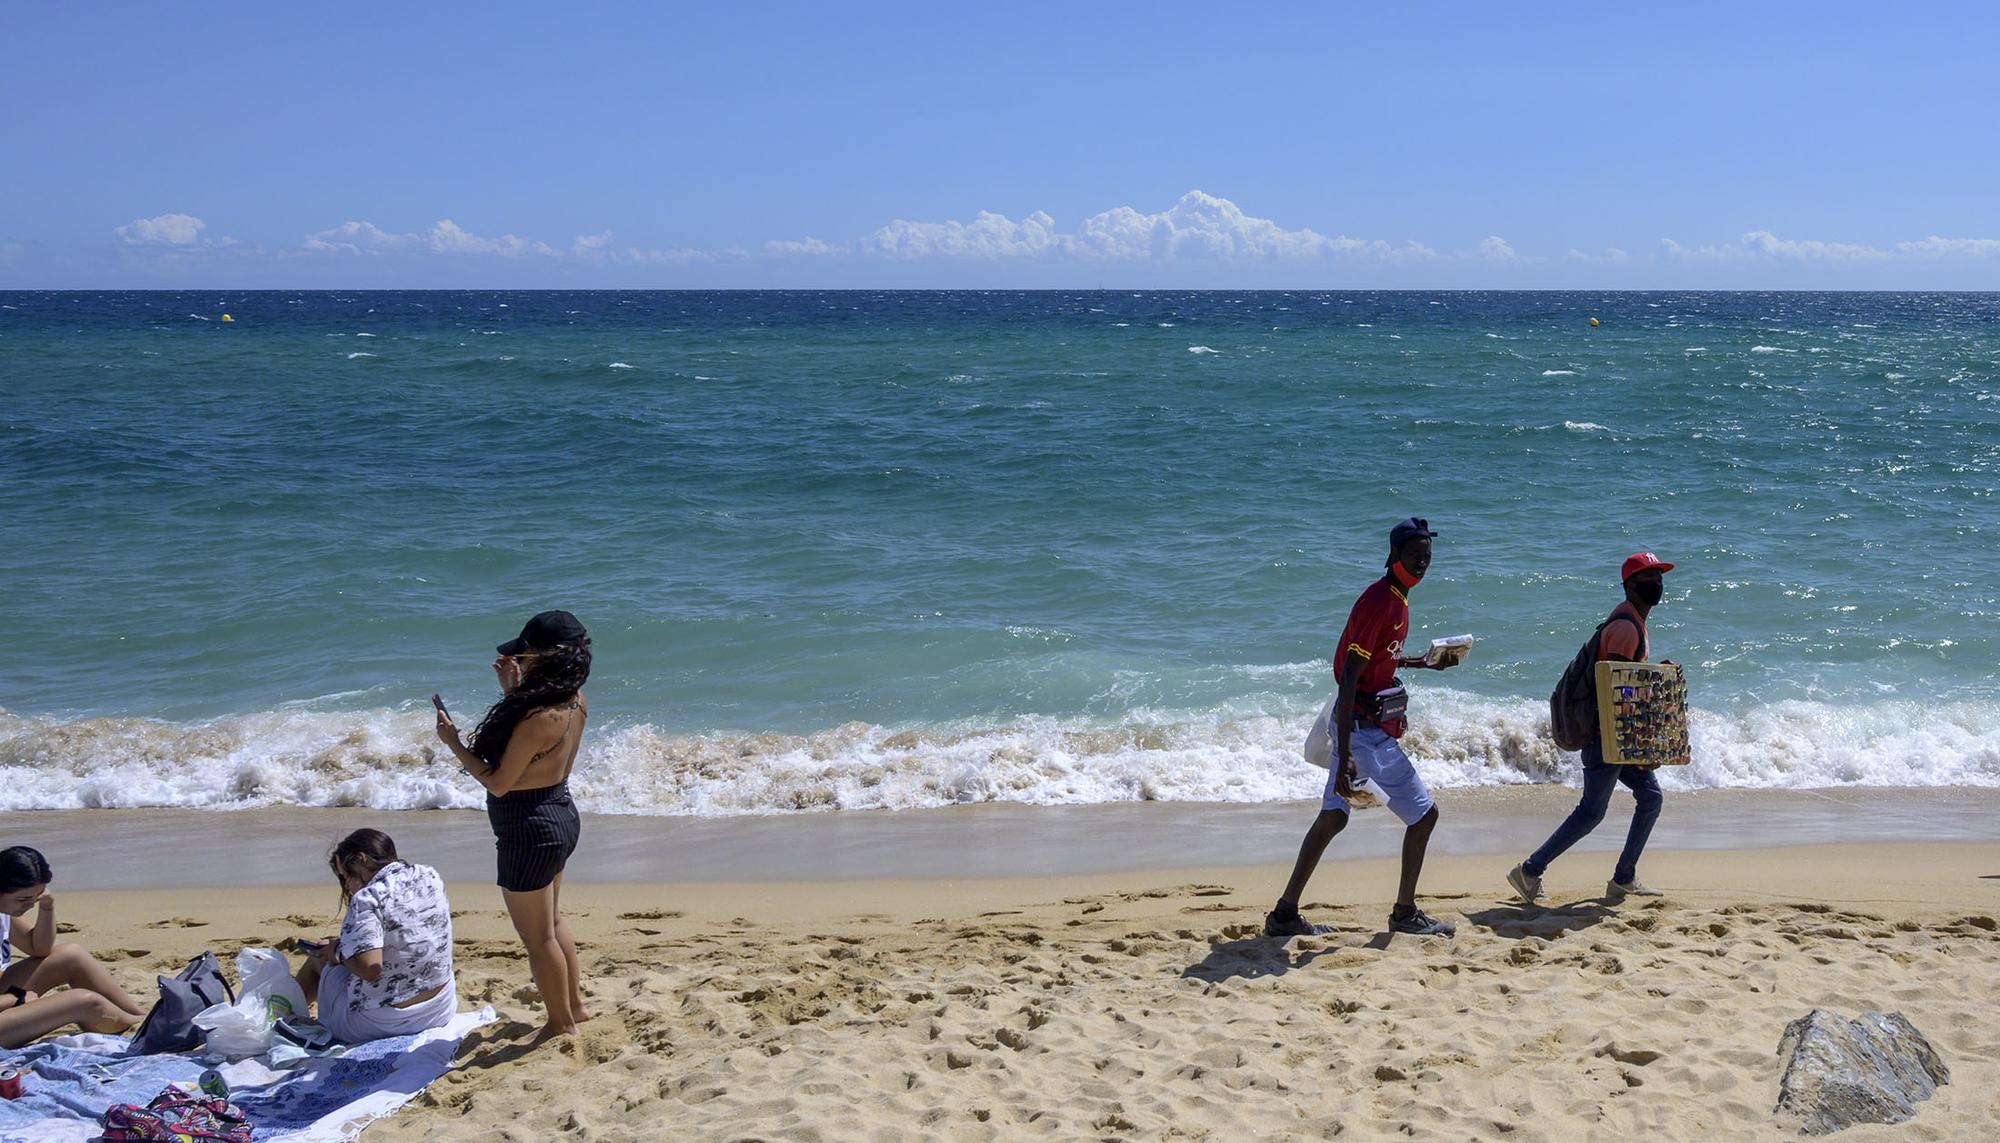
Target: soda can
(11, 1083)
(213, 1084)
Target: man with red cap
(1622, 638)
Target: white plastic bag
(1319, 740)
(266, 973)
(267, 992)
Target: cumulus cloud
(448, 237)
(163, 230)
(1495, 249)
(1200, 226)
(358, 238)
(987, 236)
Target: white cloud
(1495, 249)
(1808, 250)
(1762, 245)
(987, 236)
(162, 230)
(1199, 226)
(597, 248)
(448, 237)
(1935, 247)
(358, 238)
(810, 248)
(1610, 254)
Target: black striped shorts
(534, 831)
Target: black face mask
(1650, 594)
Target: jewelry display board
(1642, 714)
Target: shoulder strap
(1597, 637)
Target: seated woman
(389, 972)
(30, 1005)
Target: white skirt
(353, 1026)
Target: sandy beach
(1143, 1003)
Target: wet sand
(110, 849)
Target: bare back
(553, 763)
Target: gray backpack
(170, 1027)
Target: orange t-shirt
(1628, 642)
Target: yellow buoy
(225, 317)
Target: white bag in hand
(266, 992)
(1319, 740)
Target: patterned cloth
(402, 911)
(324, 1099)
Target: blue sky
(1826, 145)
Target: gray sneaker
(1292, 926)
(1421, 925)
(1618, 891)
(1525, 883)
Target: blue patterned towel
(323, 1099)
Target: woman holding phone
(522, 752)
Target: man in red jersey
(1368, 718)
(1624, 638)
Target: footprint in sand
(176, 923)
(649, 915)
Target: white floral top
(6, 941)
(403, 912)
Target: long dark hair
(360, 856)
(558, 674)
(23, 868)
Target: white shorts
(357, 1026)
(1380, 760)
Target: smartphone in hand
(307, 946)
(438, 702)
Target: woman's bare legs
(576, 1009)
(26, 1023)
(73, 965)
(534, 915)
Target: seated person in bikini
(49, 986)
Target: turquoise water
(864, 549)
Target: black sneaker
(1292, 926)
(1419, 924)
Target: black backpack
(170, 1027)
(1573, 704)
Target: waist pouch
(1386, 710)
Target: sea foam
(389, 760)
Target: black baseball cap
(1414, 528)
(549, 629)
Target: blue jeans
(1598, 782)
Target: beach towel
(319, 1099)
